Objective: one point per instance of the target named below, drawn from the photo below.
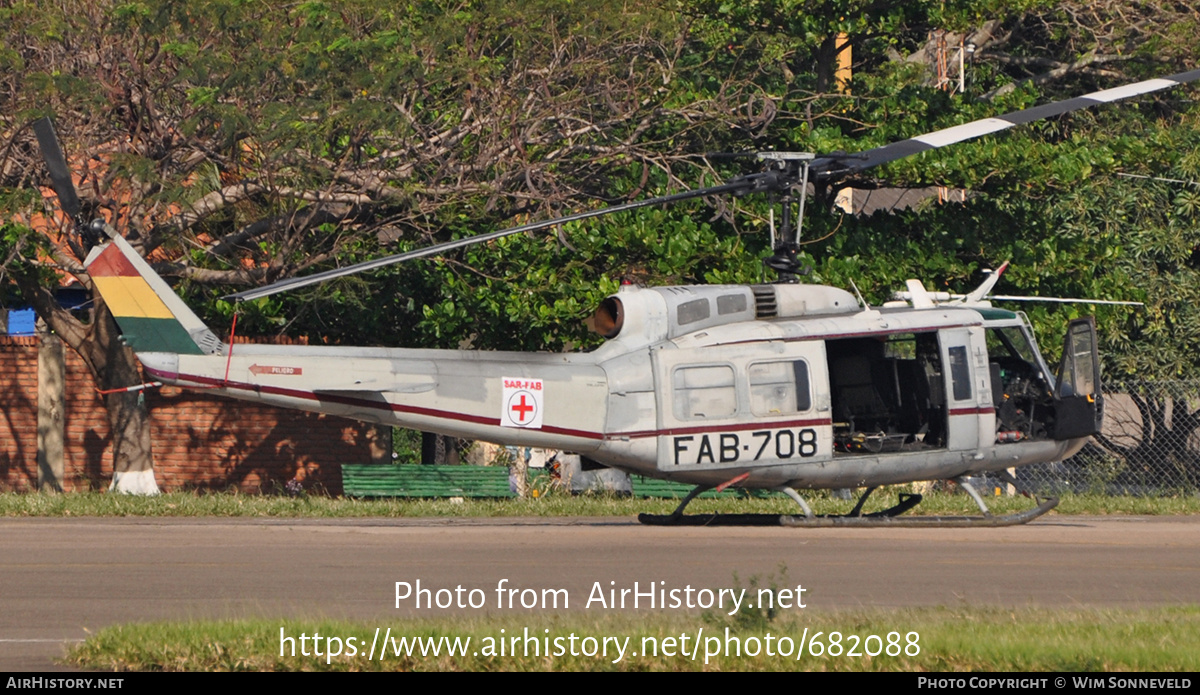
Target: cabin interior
(889, 394)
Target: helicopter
(784, 386)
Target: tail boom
(550, 400)
(452, 392)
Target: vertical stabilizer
(151, 316)
(985, 288)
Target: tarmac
(63, 579)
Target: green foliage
(443, 120)
(406, 446)
(22, 249)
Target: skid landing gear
(889, 517)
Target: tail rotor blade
(56, 163)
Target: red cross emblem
(522, 407)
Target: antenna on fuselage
(859, 295)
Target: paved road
(63, 577)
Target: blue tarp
(21, 321)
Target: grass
(946, 639)
(233, 504)
(950, 639)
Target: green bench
(384, 480)
(410, 480)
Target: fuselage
(824, 398)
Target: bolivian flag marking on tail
(148, 321)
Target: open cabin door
(1079, 405)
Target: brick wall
(18, 422)
(200, 440)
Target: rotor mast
(783, 259)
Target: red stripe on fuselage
(210, 382)
(972, 411)
(741, 427)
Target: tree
(237, 144)
(1054, 197)
(97, 341)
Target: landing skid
(889, 518)
(907, 502)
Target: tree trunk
(128, 419)
(113, 366)
(826, 69)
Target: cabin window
(693, 311)
(779, 388)
(731, 304)
(704, 393)
(960, 373)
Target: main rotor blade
(1060, 300)
(824, 167)
(56, 163)
(834, 165)
(735, 186)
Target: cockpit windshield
(1011, 342)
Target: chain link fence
(1150, 445)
